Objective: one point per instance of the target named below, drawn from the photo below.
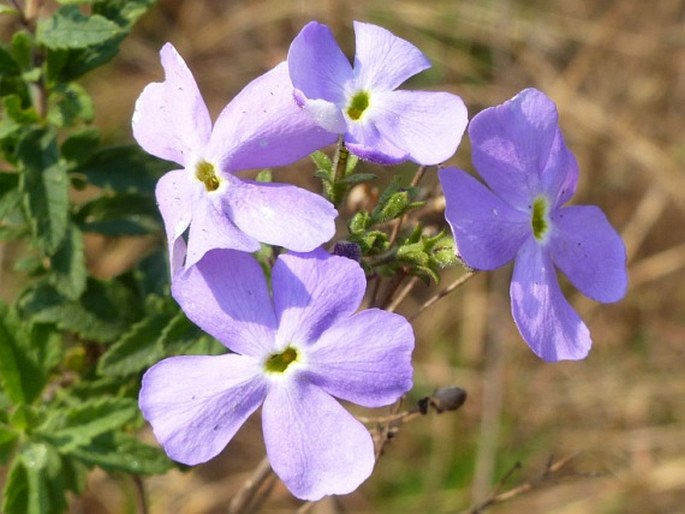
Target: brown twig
(242, 500)
(498, 497)
(461, 280)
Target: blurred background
(616, 421)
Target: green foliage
(44, 184)
(69, 28)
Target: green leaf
(35, 484)
(28, 353)
(68, 65)
(264, 176)
(15, 111)
(80, 146)
(6, 9)
(140, 346)
(10, 196)
(322, 162)
(68, 265)
(152, 274)
(11, 358)
(120, 215)
(8, 439)
(356, 178)
(69, 28)
(359, 223)
(102, 313)
(8, 66)
(124, 12)
(391, 207)
(45, 185)
(125, 169)
(124, 453)
(22, 49)
(68, 104)
(78, 425)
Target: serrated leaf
(15, 111)
(102, 313)
(10, 196)
(139, 347)
(10, 358)
(322, 162)
(68, 104)
(69, 28)
(77, 426)
(8, 439)
(392, 207)
(120, 215)
(6, 9)
(35, 484)
(45, 185)
(8, 66)
(359, 223)
(68, 65)
(22, 49)
(356, 178)
(80, 146)
(125, 169)
(124, 453)
(264, 175)
(27, 355)
(152, 274)
(68, 265)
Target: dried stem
(497, 497)
(461, 280)
(141, 495)
(404, 292)
(242, 500)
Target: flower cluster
(297, 341)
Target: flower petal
(488, 232)
(382, 60)
(263, 126)
(312, 292)
(512, 144)
(226, 295)
(280, 214)
(366, 142)
(211, 228)
(589, 252)
(365, 359)
(427, 125)
(326, 114)
(197, 403)
(170, 119)
(176, 195)
(317, 65)
(544, 318)
(314, 445)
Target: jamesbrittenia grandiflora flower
(295, 350)
(261, 127)
(520, 152)
(361, 102)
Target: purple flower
(294, 351)
(379, 123)
(261, 127)
(519, 151)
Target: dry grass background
(616, 69)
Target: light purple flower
(519, 151)
(379, 123)
(294, 351)
(261, 127)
